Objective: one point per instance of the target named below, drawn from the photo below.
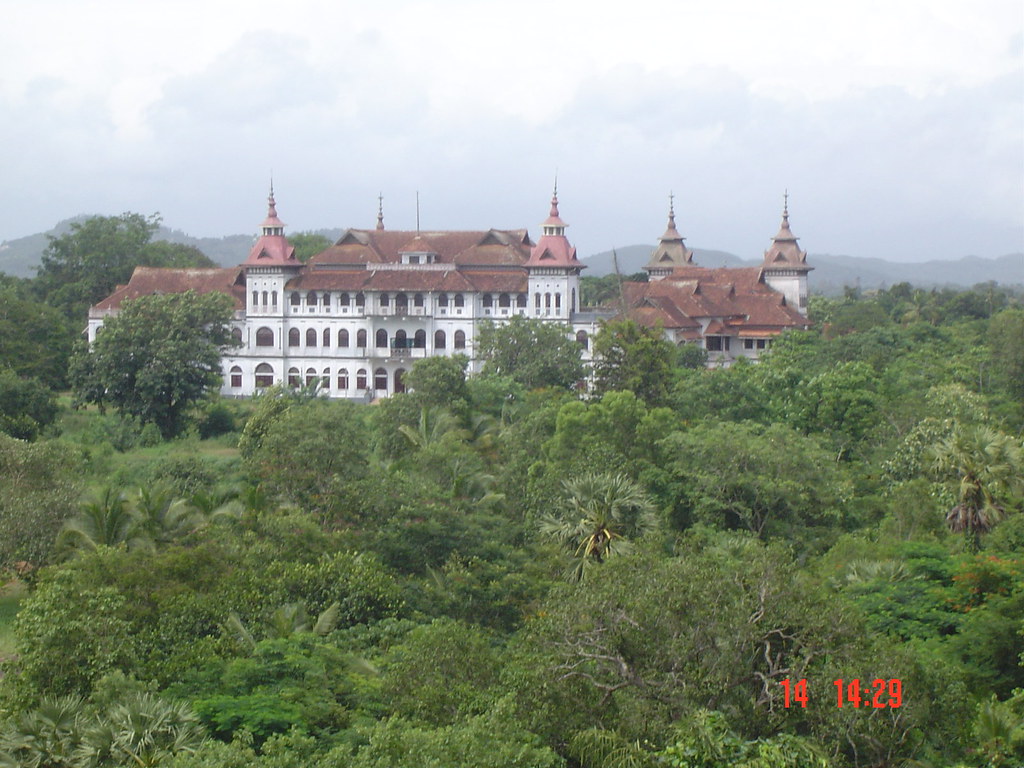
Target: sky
(897, 126)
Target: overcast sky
(896, 125)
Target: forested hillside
(817, 560)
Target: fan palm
(604, 514)
(142, 730)
(986, 468)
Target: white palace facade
(357, 316)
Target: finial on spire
(271, 205)
(380, 210)
(554, 198)
(785, 204)
(671, 210)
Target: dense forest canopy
(679, 567)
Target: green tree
(40, 483)
(767, 480)
(308, 244)
(441, 382)
(156, 358)
(1006, 342)
(533, 352)
(26, 406)
(313, 456)
(604, 514)
(629, 356)
(84, 265)
(985, 470)
(440, 673)
(35, 338)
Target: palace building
(358, 315)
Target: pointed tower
(553, 270)
(785, 265)
(671, 251)
(270, 265)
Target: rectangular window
(236, 379)
(748, 343)
(713, 343)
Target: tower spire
(380, 210)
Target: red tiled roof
(150, 280)
(493, 246)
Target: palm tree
(46, 736)
(106, 521)
(604, 514)
(163, 517)
(986, 468)
(142, 730)
(435, 423)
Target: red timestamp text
(878, 694)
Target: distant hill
(831, 273)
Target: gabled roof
(360, 247)
(146, 281)
(730, 301)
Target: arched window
(582, 339)
(311, 299)
(400, 380)
(264, 337)
(442, 300)
(417, 300)
(361, 378)
(380, 379)
(343, 378)
(294, 380)
(236, 336)
(488, 301)
(504, 300)
(572, 307)
(439, 339)
(460, 300)
(420, 339)
(293, 337)
(327, 337)
(401, 340)
(521, 300)
(547, 301)
(385, 300)
(264, 298)
(343, 300)
(401, 303)
(536, 301)
(325, 380)
(343, 337)
(558, 301)
(327, 300)
(460, 339)
(360, 300)
(361, 338)
(310, 377)
(264, 376)
(310, 337)
(255, 298)
(382, 338)
(294, 299)
(273, 298)
(236, 376)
